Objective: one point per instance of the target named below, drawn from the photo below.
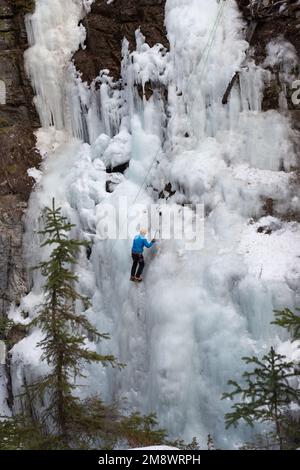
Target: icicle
(200, 311)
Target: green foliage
(21, 433)
(140, 430)
(182, 445)
(94, 425)
(68, 422)
(210, 443)
(267, 393)
(263, 441)
(65, 333)
(290, 437)
(287, 319)
(11, 332)
(291, 321)
(5, 326)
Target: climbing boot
(138, 279)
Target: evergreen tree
(267, 393)
(141, 430)
(182, 445)
(65, 333)
(210, 443)
(22, 433)
(289, 320)
(68, 422)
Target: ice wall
(54, 35)
(182, 333)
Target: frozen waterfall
(182, 333)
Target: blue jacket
(138, 244)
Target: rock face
(12, 275)
(18, 121)
(273, 20)
(108, 24)
(13, 41)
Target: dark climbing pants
(138, 260)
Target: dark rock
(265, 230)
(19, 96)
(167, 192)
(272, 22)
(118, 169)
(12, 271)
(277, 19)
(88, 251)
(6, 9)
(107, 25)
(271, 95)
(18, 120)
(108, 187)
(6, 24)
(18, 153)
(269, 206)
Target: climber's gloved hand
(153, 240)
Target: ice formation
(182, 333)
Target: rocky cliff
(273, 18)
(108, 24)
(268, 21)
(18, 121)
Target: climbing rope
(145, 179)
(204, 61)
(207, 50)
(211, 39)
(138, 193)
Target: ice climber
(137, 255)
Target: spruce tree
(65, 331)
(289, 320)
(67, 422)
(266, 395)
(23, 433)
(140, 431)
